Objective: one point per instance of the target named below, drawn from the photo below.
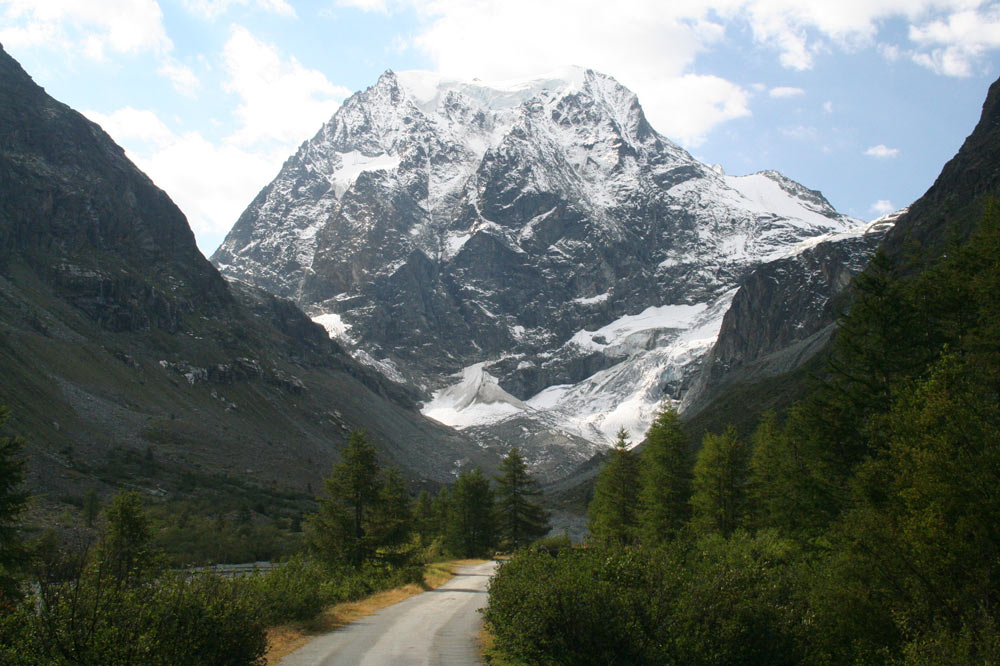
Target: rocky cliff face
(531, 250)
(76, 209)
(952, 206)
(116, 334)
(784, 313)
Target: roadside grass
(284, 639)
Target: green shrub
(292, 592)
(716, 601)
(580, 607)
(174, 621)
(553, 545)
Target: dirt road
(436, 628)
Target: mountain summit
(536, 241)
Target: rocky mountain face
(743, 377)
(532, 256)
(952, 206)
(120, 342)
(784, 313)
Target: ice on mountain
(559, 170)
(476, 399)
(354, 163)
(335, 326)
(654, 317)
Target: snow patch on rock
(476, 399)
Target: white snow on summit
(558, 176)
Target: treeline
(860, 526)
(367, 517)
(113, 598)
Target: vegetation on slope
(860, 526)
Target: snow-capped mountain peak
(492, 226)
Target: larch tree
(664, 479)
(520, 518)
(613, 511)
(470, 530)
(363, 509)
(719, 498)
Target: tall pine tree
(719, 500)
(613, 512)
(364, 509)
(521, 520)
(470, 530)
(664, 480)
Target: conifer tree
(126, 544)
(363, 510)
(520, 519)
(471, 527)
(664, 479)
(392, 518)
(613, 512)
(719, 500)
(425, 522)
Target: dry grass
(285, 639)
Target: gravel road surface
(436, 628)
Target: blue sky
(864, 100)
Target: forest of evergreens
(859, 526)
(111, 598)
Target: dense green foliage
(470, 524)
(365, 513)
(520, 517)
(708, 602)
(664, 479)
(114, 605)
(719, 497)
(861, 526)
(614, 510)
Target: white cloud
(281, 103)
(93, 28)
(890, 52)
(786, 91)
(882, 152)
(828, 107)
(181, 77)
(957, 42)
(280, 99)
(688, 107)
(882, 207)
(210, 9)
(378, 6)
(129, 125)
(210, 182)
